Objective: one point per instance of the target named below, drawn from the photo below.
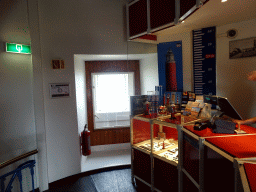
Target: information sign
(204, 61)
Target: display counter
(205, 154)
(155, 150)
(184, 159)
(209, 133)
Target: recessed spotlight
(222, 1)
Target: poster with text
(204, 61)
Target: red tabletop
(208, 132)
(241, 146)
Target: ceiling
(215, 13)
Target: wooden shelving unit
(145, 17)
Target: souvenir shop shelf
(155, 151)
(213, 160)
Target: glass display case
(155, 149)
(206, 154)
(169, 155)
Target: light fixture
(222, 1)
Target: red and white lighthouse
(171, 81)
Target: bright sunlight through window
(112, 93)
(111, 99)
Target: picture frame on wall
(59, 90)
(242, 48)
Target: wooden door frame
(110, 135)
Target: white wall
(231, 73)
(38, 93)
(68, 28)
(17, 112)
(17, 121)
(148, 77)
(148, 72)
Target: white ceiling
(215, 13)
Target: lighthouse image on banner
(170, 72)
(170, 66)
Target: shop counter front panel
(142, 165)
(142, 186)
(241, 146)
(165, 176)
(219, 172)
(188, 185)
(191, 156)
(251, 175)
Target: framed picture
(242, 48)
(59, 90)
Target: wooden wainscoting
(110, 136)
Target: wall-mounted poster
(170, 66)
(58, 90)
(242, 48)
(204, 61)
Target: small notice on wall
(58, 90)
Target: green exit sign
(18, 48)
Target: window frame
(109, 135)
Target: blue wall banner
(170, 66)
(204, 61)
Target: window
(112, 80)
(111, 99)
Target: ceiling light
(222, 1)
